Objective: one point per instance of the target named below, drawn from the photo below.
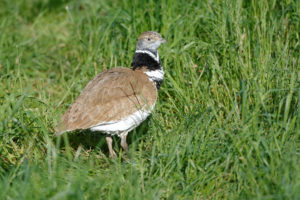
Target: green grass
(227, 123)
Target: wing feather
(110, 96)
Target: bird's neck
(146, 58)
(150, 61)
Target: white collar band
(156, 58)
(156, 75)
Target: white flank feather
(124, 125)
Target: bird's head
(150, 40)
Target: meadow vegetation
(226, 125)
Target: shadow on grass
(96, 140)
(87, 139)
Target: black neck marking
(143, 59)
(158, 83)
(150, 60)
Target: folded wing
(111, 96)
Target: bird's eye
(148, 39)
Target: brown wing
(110, 96)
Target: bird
(118, 100)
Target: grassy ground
(227, 123)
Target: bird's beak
(162, 40)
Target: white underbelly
(124, 125)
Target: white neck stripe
(156, 75)
(156, 58)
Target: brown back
(110, 96)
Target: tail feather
(60, 129)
